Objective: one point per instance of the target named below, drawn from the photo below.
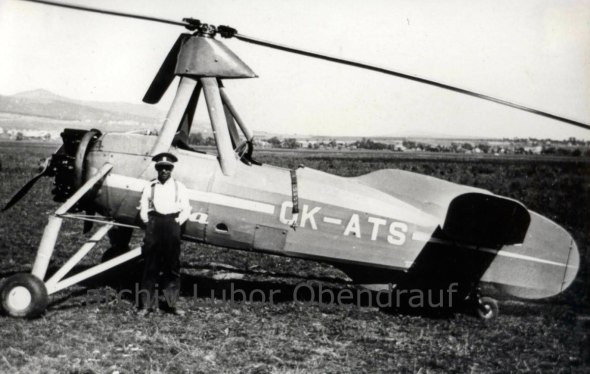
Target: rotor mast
(201, 61)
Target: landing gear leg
(26, 295)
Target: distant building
(536, 150)
(22, 134)
(261, 143)
(307, 143)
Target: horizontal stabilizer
(467, 215)
(545, 264)
(486, 220)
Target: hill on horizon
(46, 106)
(44, 110)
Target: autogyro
(385, 227)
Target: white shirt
(165, 200)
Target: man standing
(164, 207)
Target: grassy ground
(287, 335)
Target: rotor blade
(23, 191)
(362, 65)
(230, 32)
(165, 75)
(110, 12)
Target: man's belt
(156, 214)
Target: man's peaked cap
(165, 158)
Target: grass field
(290, 336)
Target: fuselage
(253, 209)
(366, 222)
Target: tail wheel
(487, 308)
(24, 295)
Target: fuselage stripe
(334, 221)
(232, 202)
(136, 184)
(421, 236)
(501, 252)
(523, 257)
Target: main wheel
(24, 295)
(487, 308)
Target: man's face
(164, 172)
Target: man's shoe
(143, 312)
(177, 312)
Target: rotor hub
(206, 30)
(201, 29)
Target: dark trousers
(161, 251)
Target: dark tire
(24, 295)
(487, 308)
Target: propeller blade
(23, 191)
(229, 32)
(165, 75)
(45, 170)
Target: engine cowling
(68, 163)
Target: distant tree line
(199, 139)
(571, 147)
(370, 144)
(289, 143)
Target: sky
(535, 53)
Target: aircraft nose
(573, 263)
